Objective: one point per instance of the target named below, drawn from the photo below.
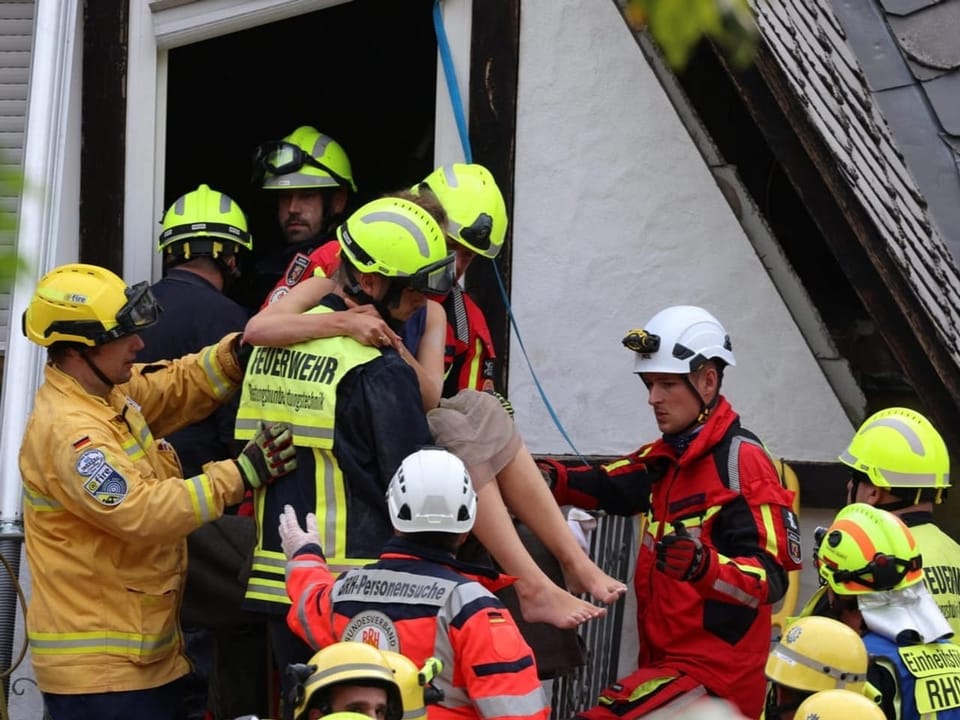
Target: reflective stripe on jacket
(468, 354)
(106, 516)
(422, 602)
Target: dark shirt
(195, 314)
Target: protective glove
(682, 556)
(241, 352)
(506, 404)
(268, 456)
(292, 536)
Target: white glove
(292, 536)
(582, 524)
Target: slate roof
(849, 106)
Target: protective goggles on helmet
(278, 157)
(139, 312)
(436, 279)
(886, 571)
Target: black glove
(241, 352)
(503, 401)
(268, 456)
(682, 556)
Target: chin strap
(96, 371)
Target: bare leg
(528, 497)
(541, 600)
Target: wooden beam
(494, 61)
(854, 240)
(103, 132)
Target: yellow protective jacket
(106, 516)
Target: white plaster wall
(616, 216)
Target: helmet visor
(436, 279)
(280, 158)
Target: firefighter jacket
(356, 413)
(925, 678)
(468, 355)
(725, 490)
(421, 602)
(106, 515)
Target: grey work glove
(268, 456)
(292, 536)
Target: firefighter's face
(675, 403)
(115, 359)
(363, 699)
(301, 213)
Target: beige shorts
(474, 426)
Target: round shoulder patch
(373, 628)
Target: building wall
(616, 216)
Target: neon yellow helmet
(866, 550)
(476, 212)
(413, 682)
(304, 159)
(398, 239)
(838, 705)
(347, 663)
(204, 222)
(899, 448)
(87, 304)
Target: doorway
(363, 72)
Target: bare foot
(551, 604)
(582, 575)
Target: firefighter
(355, 409)
(838, 705)
(204, 233)
(107, 509)
(418, 599)
(719, 533)
(347, 677)
(872, 566)
(898, 462)
(310, 174)
(814, 654)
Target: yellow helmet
(413, 682)
(398, 239)
(347, 663)
(204, 222)
(306, 158)
(867, 549)
(87, 304)
(838, 705)
(819, 653)
(476, 212)
(899, 448)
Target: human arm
(175, 393)
(286, 321)
(497, 665)
(428, 363)
(750, 545)
(621, 487)
(308, 579)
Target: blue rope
(446, 60)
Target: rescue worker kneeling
(418, 599)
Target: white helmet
(679, 340)
(431, 491)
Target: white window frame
(157, 26)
